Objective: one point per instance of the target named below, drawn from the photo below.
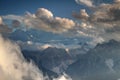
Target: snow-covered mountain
(53, 59)
(56, 59)
(100, 63)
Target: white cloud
(45, 20)
(96, 40)
(63, 77)
(29, 45)
(13, 17)
(88, 3)
(42, 12)
(46, 46)
(14, 66)
(1, 22)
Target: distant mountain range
(44, 37)
(54, 59)
(35, 56)
(99, 63)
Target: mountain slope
(56, 59)
(100, 63)
(53, 59)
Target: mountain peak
(111, 42)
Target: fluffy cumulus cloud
(104, 20)
(43, 19)
(13, 66)
(42, 12)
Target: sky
(84, 19)
(62, 8)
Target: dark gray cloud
(83, 15)
(105, 19)
(105, 13)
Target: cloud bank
(43, 19)
(104, 19)
(103, 22)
